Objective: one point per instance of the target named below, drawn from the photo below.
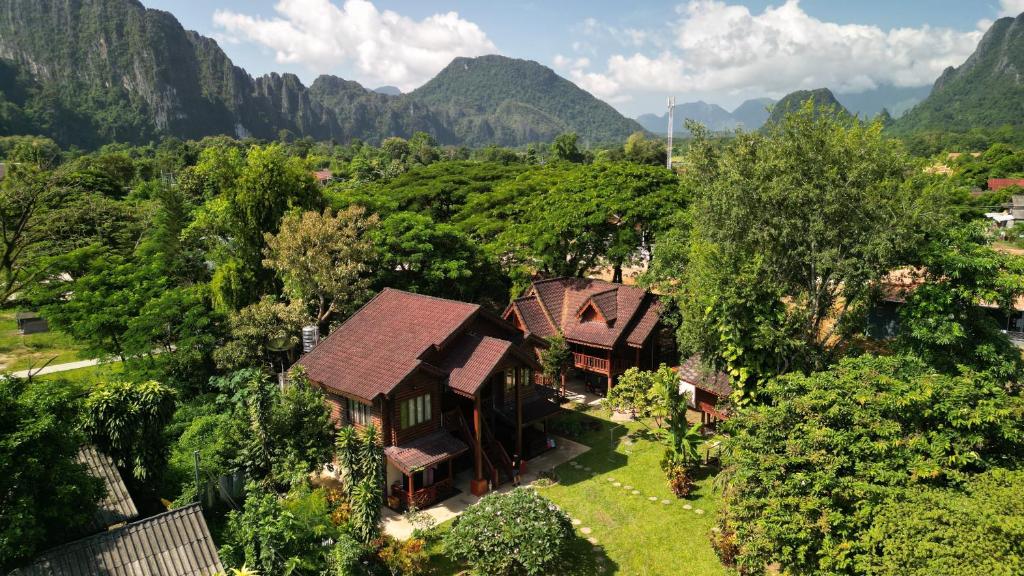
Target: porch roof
(426, 451)
(474, 358)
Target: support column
(611, 381)
(478, 485)
(519, 412)
(412, 489)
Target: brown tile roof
(323, 175)
(117, 506)
(472, 360)
(628, 310)
(385, 342)
(532, 313)
(426, 451)
(694, 372)
(175, 543)
(399, 333)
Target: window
(415, 411)
(525, 380)
(358, 413)
(510, 384)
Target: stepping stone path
(588, 469)
(593, 542)
(653, 498)
(617, 484)
(576, 521)
(698, 511)
(586, 530)
(665, 502)
(687, 507)
(610, 479)
(629, 487)
(635, 492)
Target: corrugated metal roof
(175, 543)
(117, 506)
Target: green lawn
(18, 352)
(86, 377)
(635, 536)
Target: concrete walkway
(54, 368)
(399, 527)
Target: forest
(194, 265)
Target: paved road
(52, 368)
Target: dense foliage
(515, 533)
(791, 229)
(46, 496)
(808, 472)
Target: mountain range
(753, 113)
(122, 72)
(88, 72)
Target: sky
(630, 54)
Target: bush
(516, 533)
(680, 480)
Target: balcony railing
(423, 497)
(588, 362)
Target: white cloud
(383, 46)
(720, 47)
(1011, 7)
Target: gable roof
(175, 543)
(694, 372)
(397, 334)
(558, 304)
(117, 506)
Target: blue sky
(629, 54)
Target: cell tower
(671, 129)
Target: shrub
(403, 558)
(516, 533)
(680, 480)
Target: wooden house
(449, 385)
(610, 327)
(708, 389)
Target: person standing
(517, 465)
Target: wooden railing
(588, 362)
(424, 496)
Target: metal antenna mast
(671, 129)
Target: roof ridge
(417, 294)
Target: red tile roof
(553, 305)
(323, 175)
(399, 333)
(422, 452)
(385, 342)
(694, 372)
(472, 360)
(1000, 183)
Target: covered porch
(421, 473)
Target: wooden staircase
(455, 421)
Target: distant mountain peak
(389, 90)
(822, 98)
(986, 91)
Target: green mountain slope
(494, 99)
(986, 91)
(87, 72)
(822, 98)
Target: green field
(635, 536)
(19, 352)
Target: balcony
(590, 363)
(421, 497)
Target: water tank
(310, 337)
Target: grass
(86, 377)
(635, 536)
(19, 352)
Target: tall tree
(791, 229)
(323, 259)
(26, 201)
